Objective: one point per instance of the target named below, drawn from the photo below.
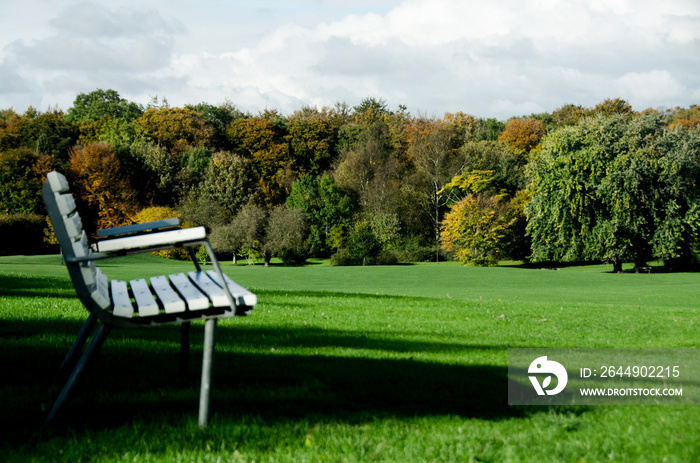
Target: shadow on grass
(135, 379)
(32, 286)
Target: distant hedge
(22, 234)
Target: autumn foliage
(523, 135)
(100, 183)
(416, 186)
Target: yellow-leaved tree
(474, 229)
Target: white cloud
(650, 88)
(497, 58)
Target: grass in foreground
(403, 363)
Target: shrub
(344, 258)
(362, 242)
(386, 257)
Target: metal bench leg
(92, 348)
(207, 361)
(79, 340)
(184, 349)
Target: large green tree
(327, 211)
(313, 138)
(614, 189)
(22, 173)
(93, 106)
(49, 133)
(230, 181)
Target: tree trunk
(617, 266)
(437, 233)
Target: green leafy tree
(616, 190)
(677, 216)
(286, 235)
(370, 170)
(369, 111)
(22, 172)
(362, 242)
(100, 103)
(312, 138)
(327, 211)
(49, 133)
(219, 117)
(158, 169)
(244, 235)
(230, 181)
(569, 114)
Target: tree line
(370, 184)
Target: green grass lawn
(402, 363)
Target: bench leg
(184, 349)
(207, 363)
(95, 343)
(79, 341)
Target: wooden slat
(101, 293)
(194, 298)
(241, 295)
(82, 246)
(121, 300)
(145, 302)
(65, 203)
(172, 303)
(58, 182)
(74, 226)
(152, 239)
(210, 288)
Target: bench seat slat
(241, 295)
(208, 286)
(147, 305)
(172, 303)
(121, 300)
(194, 298)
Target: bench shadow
(135, 378)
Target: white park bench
(178, 298)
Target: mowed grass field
(401, 363)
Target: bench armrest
(176, 238)
(139, 228)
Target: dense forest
(367, 184)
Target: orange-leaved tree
(523, 135)
(100, 185)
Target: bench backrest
(90, 284)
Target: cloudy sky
(493, 58)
